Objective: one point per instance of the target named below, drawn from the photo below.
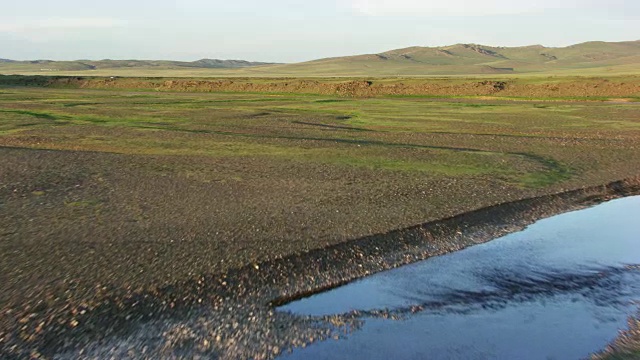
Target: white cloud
(459, 7)
(48, 24)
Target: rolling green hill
(473, 59)
(590, 58)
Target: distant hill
(590, 58)
(471, 59)
(81, 65)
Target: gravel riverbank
(230, 315)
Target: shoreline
(159, 318)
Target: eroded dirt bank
(230, 315)
(551, 88)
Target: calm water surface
(561, 289)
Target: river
(561, 289)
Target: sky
(297, 30)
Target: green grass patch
(525, 145)
(39, 115)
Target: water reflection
(560, 289)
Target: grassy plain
(135, 188)
(341, 69)
(522, 144)
(257, 176)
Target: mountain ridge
(456, 59)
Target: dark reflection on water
(561, 289)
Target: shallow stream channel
(563, 288)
